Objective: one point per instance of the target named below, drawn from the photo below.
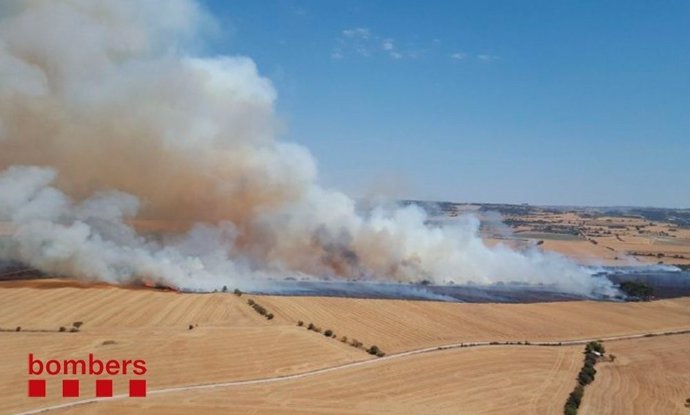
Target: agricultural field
(462, 381)
(399, 325)
(191, 340)
(648, 376)
(597, 236)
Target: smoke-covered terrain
(109, 111)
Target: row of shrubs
(75, 328)
(373, 350)
(585, 377)
(526, 343)
(260, 309)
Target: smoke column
(109, 116)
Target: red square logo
(37, 388)
(137, 388)
(70, 388)
(104, 388)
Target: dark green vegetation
(637, 290)
(373, 350)
(260, 309)
(376, 351)
(593, 352)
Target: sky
(540, 102)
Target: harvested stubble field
(497, 380)
(398, 325)
(649, 376)
(233, 342)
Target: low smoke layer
(108, 115)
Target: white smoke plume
(110, 120)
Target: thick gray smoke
(109, 122)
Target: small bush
(311, 326)
(225, 289)
(355, 343)
(62, 329)
(191, 326)
(73, 330)
(373, 349)
(300, 323)
(237, 292)
(19, 328)
(269, 316)
(380, 353)
(343, 339)
(77, 324)
(328, 333)
(108, 342)
(250, 302)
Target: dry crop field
(231, 342)
(600, 239)
(649, 376)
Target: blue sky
(544, 102)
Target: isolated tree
(374, 349)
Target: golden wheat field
(463, 381)
(230, 342)
(649, 376)
(397, 325)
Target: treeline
(373, 349)
(260, 309)
(593, 351)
